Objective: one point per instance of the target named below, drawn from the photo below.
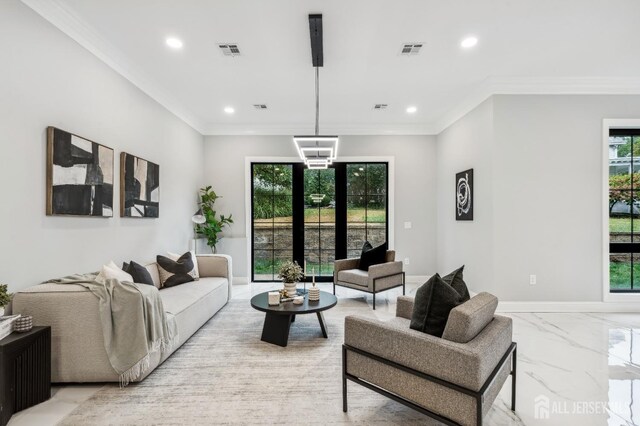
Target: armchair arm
(344, 264)
(216, 265)
(468, 365)
(404, 307)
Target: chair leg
(344, 379)
(513, 378)
(334, 288)
(374, 301)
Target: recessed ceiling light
(174, 43)
(229, 110)
(469, 42)
(411, 109)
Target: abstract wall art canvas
(79, 176)
(464, 195)
(139, 187)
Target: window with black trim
(624, 210)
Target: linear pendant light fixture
(317, 151)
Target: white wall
(47, 79)
(415, 187)
(538, 181)
(548, 194)
(468, 144)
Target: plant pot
(291, 289)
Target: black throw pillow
(175, 272)
(455, 280)
(365, 247)
(372, 256)
(138, 272)
(432, 304)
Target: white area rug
(224, 374)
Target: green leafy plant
(5, 296)
(213, 225)
(290, 272)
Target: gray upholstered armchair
(454, 379)
(381, 277)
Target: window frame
(607, 294)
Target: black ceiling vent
(315, 30)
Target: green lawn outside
(623, 224)
(620, 275)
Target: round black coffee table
(278, 318)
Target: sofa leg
(513, 378)
(344, 379)
(479, 410)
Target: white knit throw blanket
(134, 323)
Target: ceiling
(525, 46)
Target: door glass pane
(320, 217)
(272, 211)
(366, 206)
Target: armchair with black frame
(380, 277)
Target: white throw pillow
(195, 273)
(112, 271)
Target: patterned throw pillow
(195, 273)
(175, 272)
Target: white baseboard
(516, 307)
(417, 278)
(240, 280)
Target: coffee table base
(276, 328)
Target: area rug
(224, 375)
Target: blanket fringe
(142, 366)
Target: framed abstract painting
(79, 176)
(139, 187)
(464, 195)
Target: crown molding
(219, 129)
(538, 86)
(69, 23)
(72, 25)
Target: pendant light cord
(317, 102)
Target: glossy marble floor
(573, 369)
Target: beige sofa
(77, 345)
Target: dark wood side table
(25, 371)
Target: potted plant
(290, 273)
(5, 298)
(213, 225)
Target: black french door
(315, 216)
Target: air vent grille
(410, 49)
(380, 106)
(260, 106)
(229, 49)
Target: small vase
(291, 289)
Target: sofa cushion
(175, 272)
(467, 320)
(178, 298)
(373, 256)
(354, 276)
(139, 273)
(433, 302)
(454, 279)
